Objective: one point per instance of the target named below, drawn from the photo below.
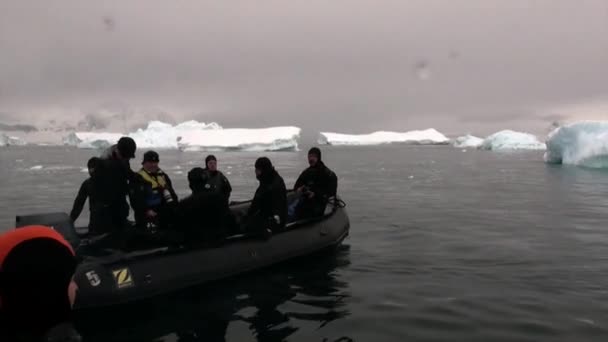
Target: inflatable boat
(118, 277)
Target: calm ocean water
(445, 245)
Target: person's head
(150, 162)
(195, 180)
(37, 291)
(126, 148)
(263, 168)
(92, 164)
(314, 156)
(211, 163)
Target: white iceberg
(195, 136)
(581, 143)
(6, 140)
(160, 135)
(16, 141)
(468, 141)
(91, 139)
(241, 139)
(511, 140)
(424, 137)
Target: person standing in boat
(214, 180)
(268, 210)
(37, 289)
(316, 185)
(111, 184)
(156, 196)
(85, 192)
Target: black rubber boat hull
(126, 277)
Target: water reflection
(272, 304)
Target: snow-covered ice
(91, 139)
(195, 136)
(160, 135)
(241, 139)
(511, 140)
(581, 143)
(467, 141)
(6, 140)
(423, 137)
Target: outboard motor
(61, 222)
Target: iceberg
(241, 139)
(6, 140)
(511, 140)
(467, 141)
(16, 141)
(160, 135)
(582, 143)
(194, 136)
(91, 139)
(424, 137)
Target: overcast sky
(347, 66)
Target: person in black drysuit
(316, 185)
(204, 216)
(85, 192)
(214, 180)
(268, 210)
(111, 183)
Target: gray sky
(348, 66)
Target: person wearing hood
(204, 216)
(268, 209)
(111, 183)
(214, 180)
(85, 192)
(155, 194)
(316, 185)
(37, 290)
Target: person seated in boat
(315, 185)
(37, 289)
(268, 210)
(156, 197)
(214, 180)
(112, 184)
(204, 216)
(84, 193)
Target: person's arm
(170, 188)
(227, 187)
(81, 198)
(255, 206)
(137, 193)
(299, 181)
(279, 202)
(333, 184)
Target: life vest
(157, 184)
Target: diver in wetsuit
(268, 210)
(204, 216)
(86, 191)
(214, 180)
(316, 185)
(36, 286)
(112, 182)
